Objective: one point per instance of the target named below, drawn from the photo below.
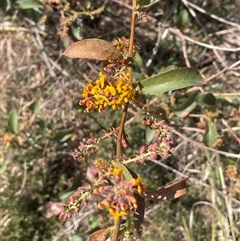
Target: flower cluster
(89, 146)
(107, 92)
(85, 149)
(122, 44)
(231, 172)
(120, 199)
(162, 145)
(233, 176)
(76, 201)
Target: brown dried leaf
(100, 235)
(169, 192)
(93, 48)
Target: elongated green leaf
(187, 106)
(143, 2)
(13, 122)
(211, 134)
(207, 100)
(3, 168)
(28, 4)
(138, 61)
(77, 30)
(79, 237)
(185, 112)
(170, 80)
(63, 135)
(5, 5)
(150, 134)
(77, 181)
(183, 19)
(35, 107)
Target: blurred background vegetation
(42, 123)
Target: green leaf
(207, 100)
(211, 134)
(63, 136)
(82, 237)
(187, 106)
(137, 75)
(143, 2)
(138, 61)
(77, 182)
(185, 112)
(36, 16)
(170, 80)
(35, 107)
(183, 19)
(13, 122)
(28, 4)
(150, 134)
(5, 5)
(3, 168)
(77, 30)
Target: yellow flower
(116, 171)
(138, 183)
(7, 139)
(108, 91)
(117, 214)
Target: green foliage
(13, 122)
(63, 135)
(28, 4)
(170, 80)
(3, 168)
(143, 2)
(5, 5)
(187, 106)
(183, 19)
(210, 135)
(35, 107)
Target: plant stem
(120, 132)
(132, 36)
(130, 54)
(115, 233)
(117, 224)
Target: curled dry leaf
(169, 192)
(100, 235)
(92, 48)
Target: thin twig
(44, 55)
(211, 15)
(230, 130)
(222, 71)
(227, 154)
(177, 32)
(156, 47)
(221, 60)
